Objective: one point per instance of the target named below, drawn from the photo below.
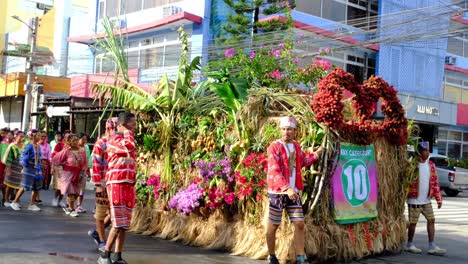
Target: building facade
(420, 47)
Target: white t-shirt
(290, 150)
(424, 181)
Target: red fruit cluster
(328, 107)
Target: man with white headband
(284, 182)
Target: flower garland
(328, 108)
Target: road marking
(453, 211)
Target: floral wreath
(328, 108)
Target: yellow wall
(453, 93)
(45, 31)
(3, 17)
(465, 96)
(13, 84)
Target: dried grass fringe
(325, 240)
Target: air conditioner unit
(171, 10)
(450, 60)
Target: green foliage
(150, 143)
(243, 23)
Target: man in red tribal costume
(99, 169)
(120, 181)
(284, 182)
(420, 193)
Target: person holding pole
(284, 182)
(120, 181)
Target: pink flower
(320, 51)
(321, 64)
(252, 54)
(285, 4)
(229, 53)
(296, 60)
(276, 53)
(301, 35)
(275, 74)
(327, 50)
(229, 198)
(281, 45)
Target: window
(102, 10)
(465, 152)
(453, 150)
(112, 8)
(107, 65)
(130, 6)
(455, 46)
(156, 3)
(442, 134)
(454, 135)
(357, 13)
(310, 7)
(357, 71)
(334, 11)
(132, 58)
(152, 58)
(465, 137)
(442, 147)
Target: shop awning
(12, 84)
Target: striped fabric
(280, 202)
(102, 205)
(32, 173)
(121, 201)
(121, 157)
(29, 181)
(99, 160)
(415, 211)
(11, 158)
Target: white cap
(287, 121)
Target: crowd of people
(29, 163)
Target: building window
(356, 13)
(102, 9)
(148, 53)
(453, 144)
(458, 45)
(113, 8)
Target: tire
(451, 193)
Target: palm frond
(127, 98)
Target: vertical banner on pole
(354, 185)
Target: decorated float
(202, 164)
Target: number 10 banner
(354, 185)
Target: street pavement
(50, 236)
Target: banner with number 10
(354, 185)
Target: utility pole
(29, 72)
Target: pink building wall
(82, 85)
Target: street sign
(42, 55)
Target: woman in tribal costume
(11, 158)
(56, 172)
(32, 173)
(8, 138)
(73, 160)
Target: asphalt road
(50, 236)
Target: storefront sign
(354, 185)
(428, 110)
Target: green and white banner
(354, 185)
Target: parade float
(202, 156)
